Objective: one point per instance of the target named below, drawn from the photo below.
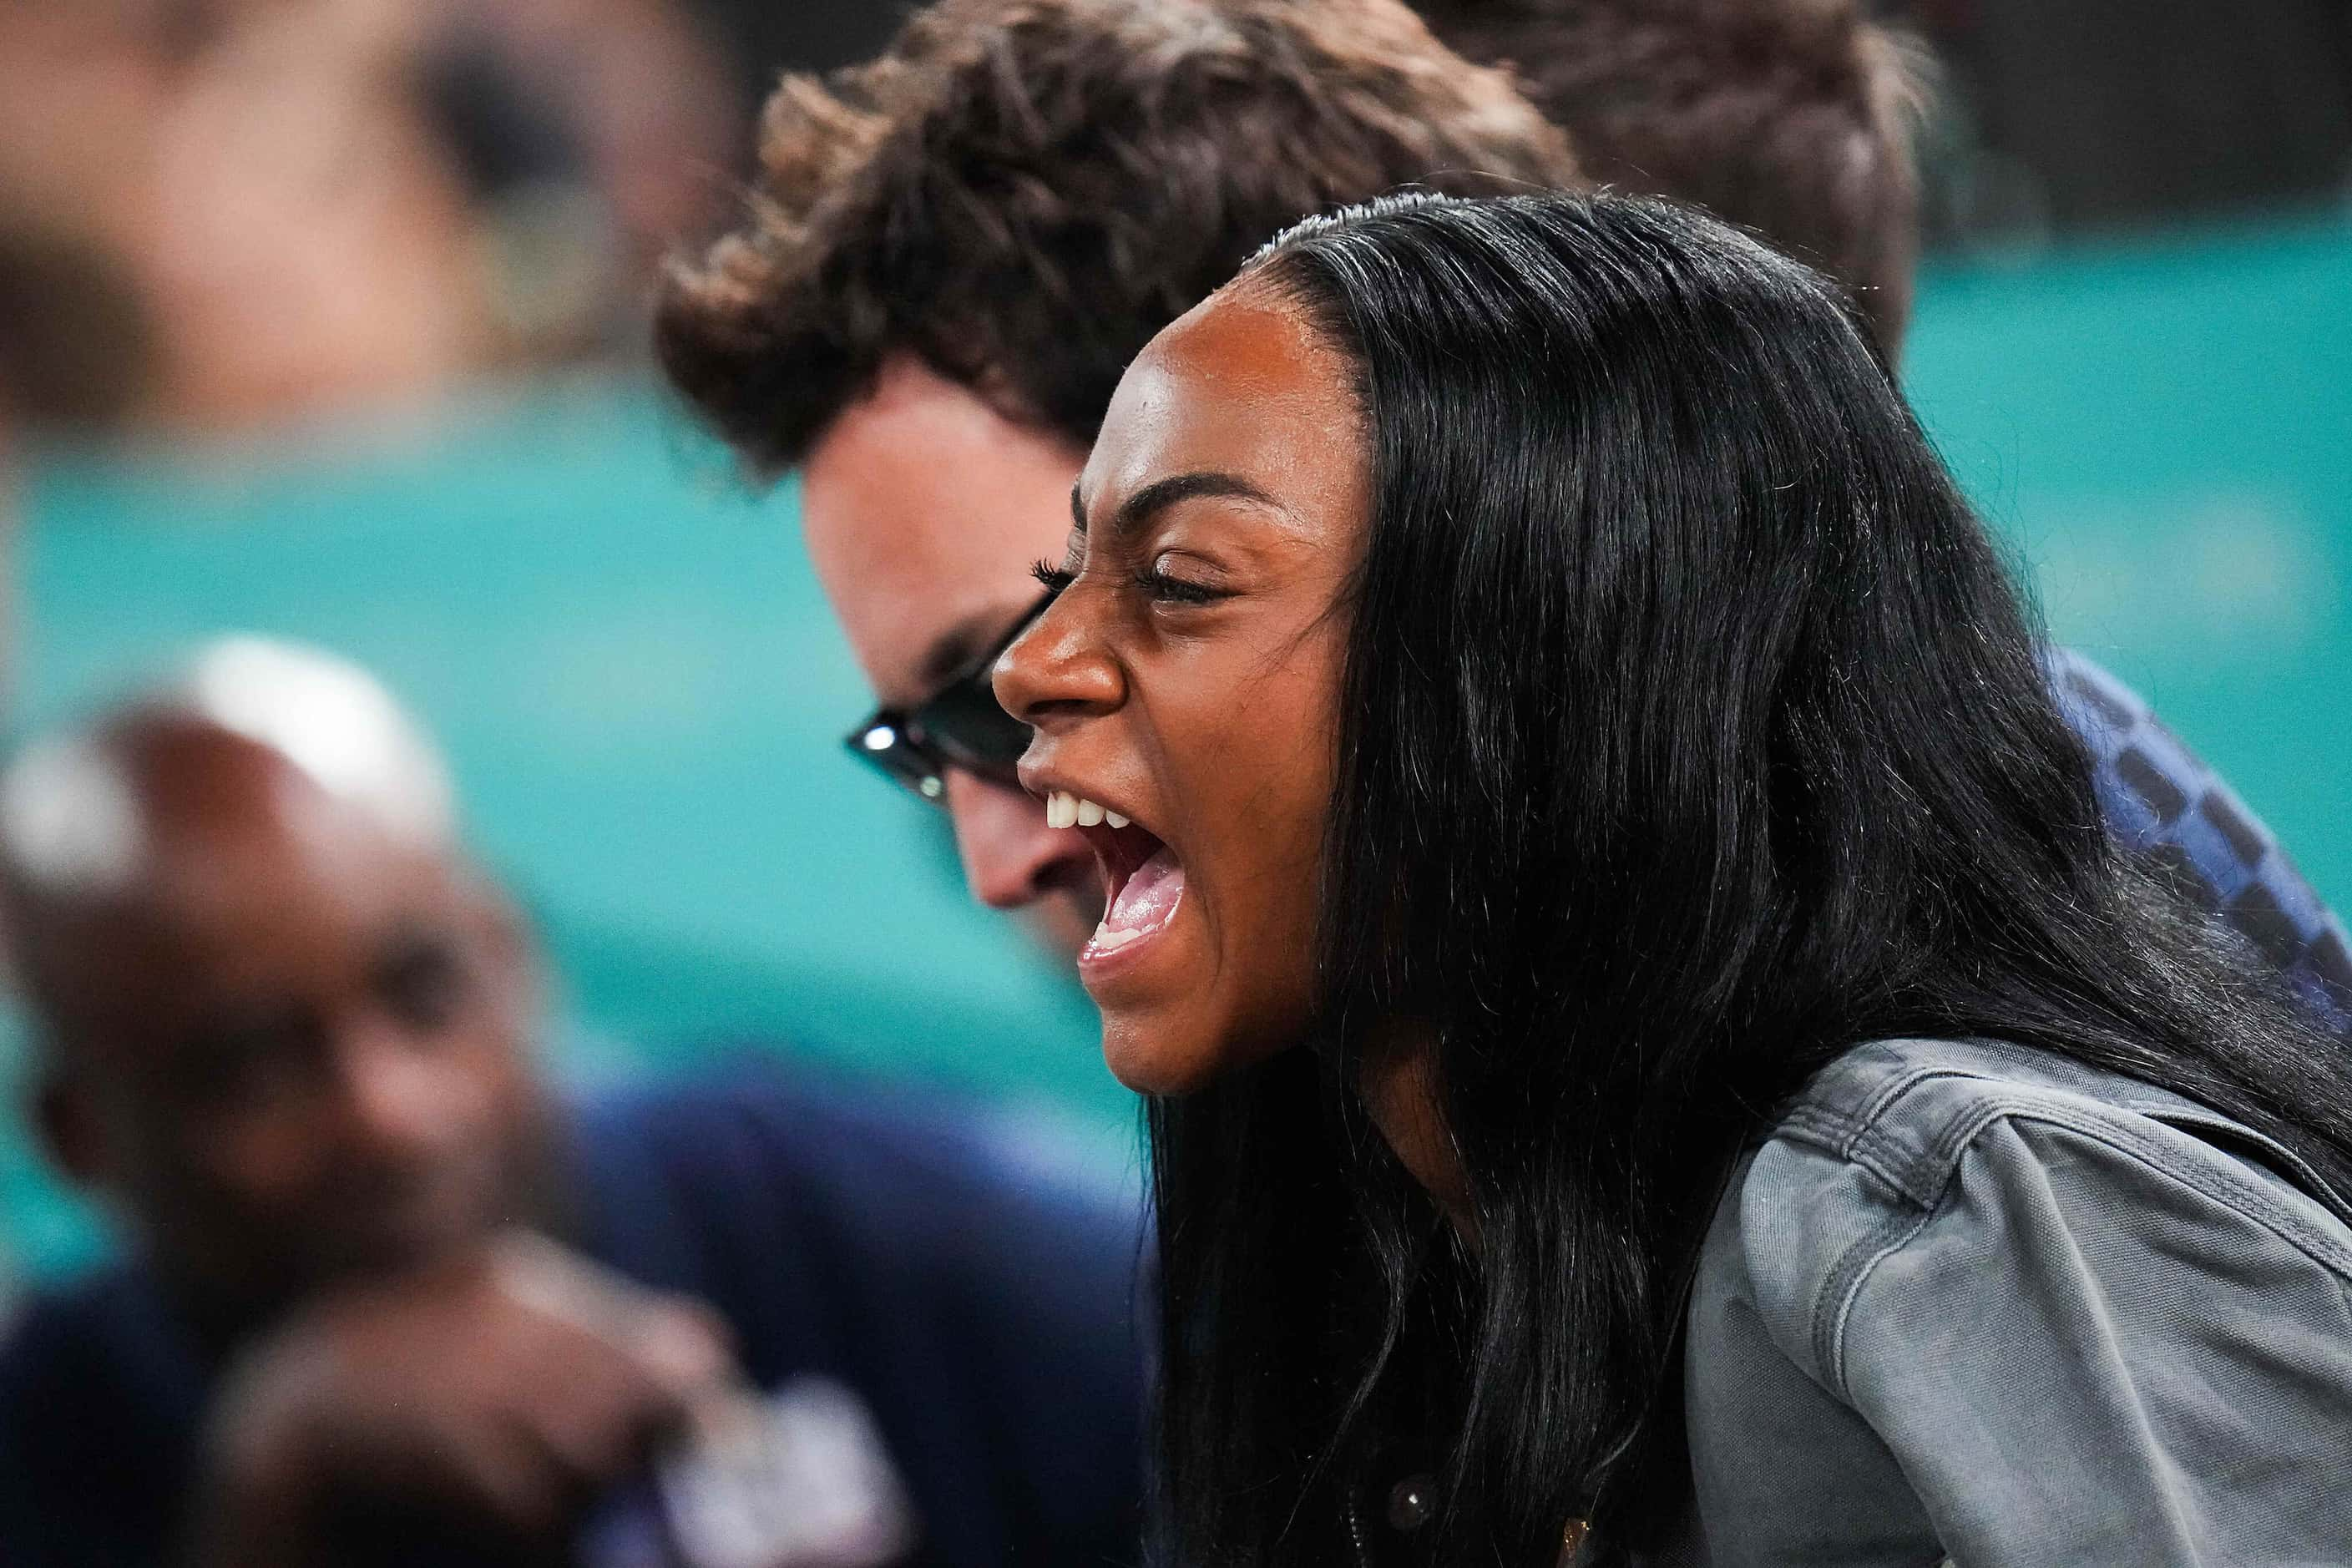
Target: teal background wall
(643, 695)
(2166, 433)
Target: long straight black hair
(1692, 730)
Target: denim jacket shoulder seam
(1830, 1115)
(1861, 1136)
(1841, 1288)
(1842, 1140)
(2249, 1203)
(1836, 1304)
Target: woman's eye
(1169, 588)
(1054, 578)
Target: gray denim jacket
(1971, 1302)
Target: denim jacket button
(1411, 1503)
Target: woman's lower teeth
(1146, 901)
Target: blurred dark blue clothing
(2161, 800)
(977, 1294)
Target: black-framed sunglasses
(960, 725)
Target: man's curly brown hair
(1021, 193)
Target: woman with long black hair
(1643, 1022)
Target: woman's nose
(1061, 666)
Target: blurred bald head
(255, 741)
(287, 1024)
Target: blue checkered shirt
(2161, 799)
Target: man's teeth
(1064, 809)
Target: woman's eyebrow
(1160, 494)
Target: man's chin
(390, 1251)
(455, 1216)
(1061, 921)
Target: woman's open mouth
(1142, 877)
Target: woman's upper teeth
(1064, 809)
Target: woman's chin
(1178, 1013)
(1159, 1028)
(1163, 1059)
(1186, 1047)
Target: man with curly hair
(952, 253)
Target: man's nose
(401, 1098)
(1010, 857)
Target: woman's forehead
(1241, 385)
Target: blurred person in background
(1793, 117)
(77, 349)
(335, 202)
(74, 353)
(953, 251)
(2074, 116)
(391, 1295)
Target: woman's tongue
(1145, 901)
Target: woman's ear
(69, 1123)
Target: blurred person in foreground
(953, 251)
(392, 1297)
